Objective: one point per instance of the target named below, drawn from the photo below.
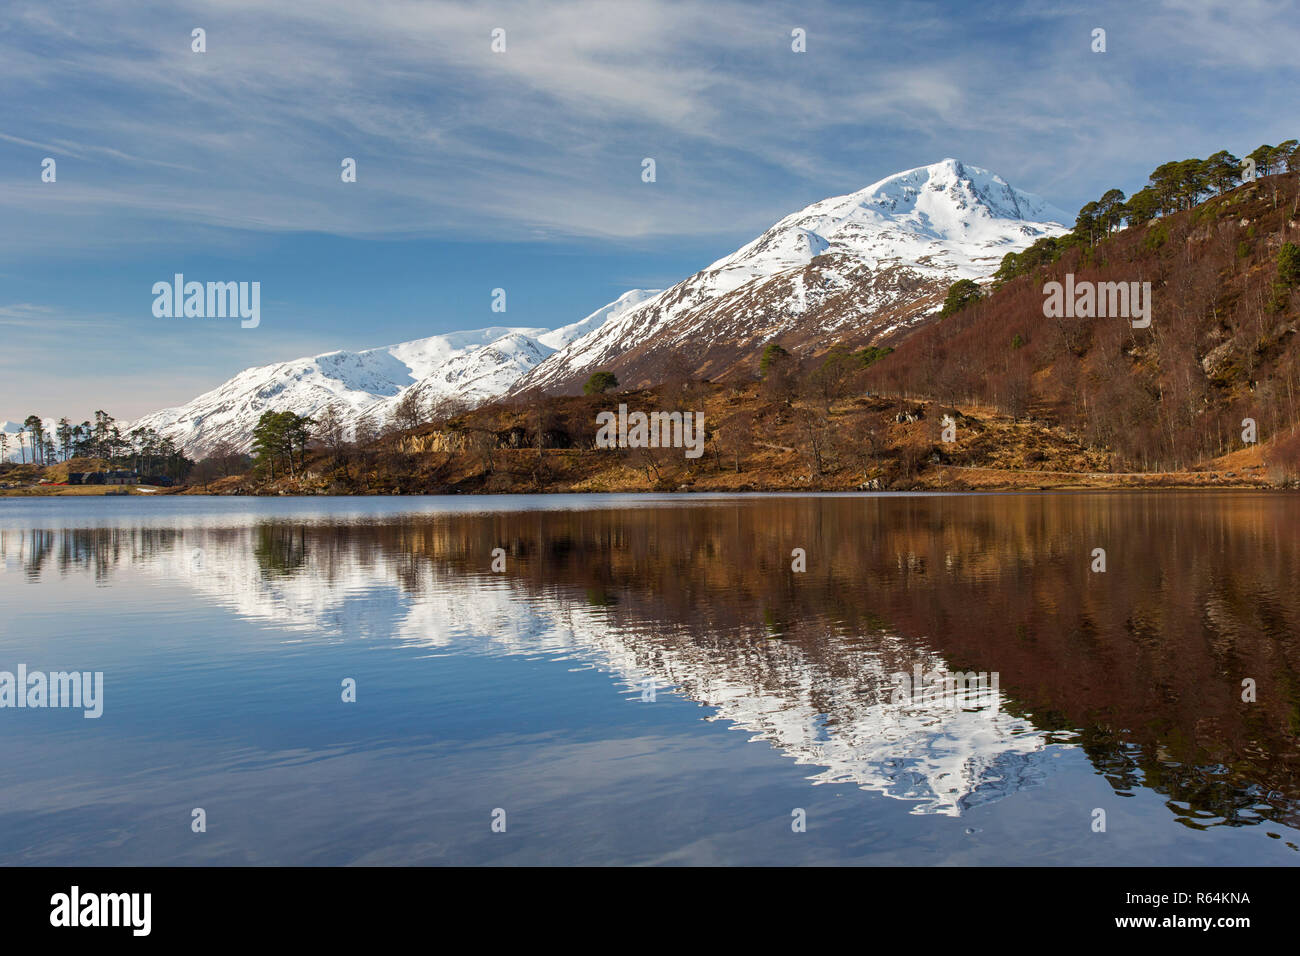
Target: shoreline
(1119, 482)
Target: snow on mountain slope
(569, 333)
(860, 266)
(480, 374)
(472, 376)
(471, 366)
(357, 380)
(852, 269)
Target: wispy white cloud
(546, 139)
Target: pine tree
(1110, 210)
(1224, 171)
(961, 293)
(36, 433)
(1142, 207)
(1263, 157)
(1086, 223)
(599, 383)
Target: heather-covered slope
(1221, 347)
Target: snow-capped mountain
(470, 366)
(472, 376)
(855, 269)
(357, 380)
(571, 333)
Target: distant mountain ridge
(471, 366)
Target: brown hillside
(1221, 346)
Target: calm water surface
(648, 681)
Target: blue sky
(521, 169)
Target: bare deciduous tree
(410, 411)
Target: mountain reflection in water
(1141, 666)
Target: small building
(118, 477)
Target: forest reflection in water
(1141, 666)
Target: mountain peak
(859, 266)
(952, 193)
